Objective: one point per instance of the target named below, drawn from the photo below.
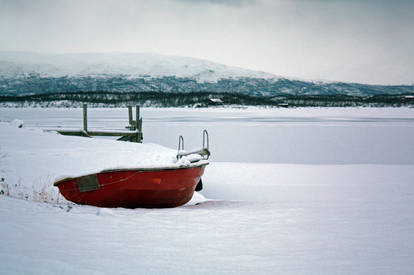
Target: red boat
(133, 188)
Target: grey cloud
(363, 41)
(221, 2)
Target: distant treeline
(201, 99)
(38, 84)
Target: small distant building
(216, 100)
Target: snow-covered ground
(290, 191)
(33, 160)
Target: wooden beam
(138, 124)
(85, 117)
(96, 133)
(130, 116)
(136, 117)
(112, 134)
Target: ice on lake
(304, 135)
(289, 191)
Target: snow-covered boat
(162, 187)
(140, 187)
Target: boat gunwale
(199, 163)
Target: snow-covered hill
(14, 64)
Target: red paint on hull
(135, 188)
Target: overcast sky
(368, 41)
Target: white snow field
(289, 191)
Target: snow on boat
(140, 187)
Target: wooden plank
(68, 132)
(96, 133)
(111, 134)
(134, 138)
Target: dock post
(138, 124)
(130, 116)
(85, 117)
(136, 117)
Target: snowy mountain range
(132, 65)
(24, 73)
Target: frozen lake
(303, 136)
(294, 191)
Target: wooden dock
(133, 134)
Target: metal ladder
(204, 152)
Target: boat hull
(133, 188)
